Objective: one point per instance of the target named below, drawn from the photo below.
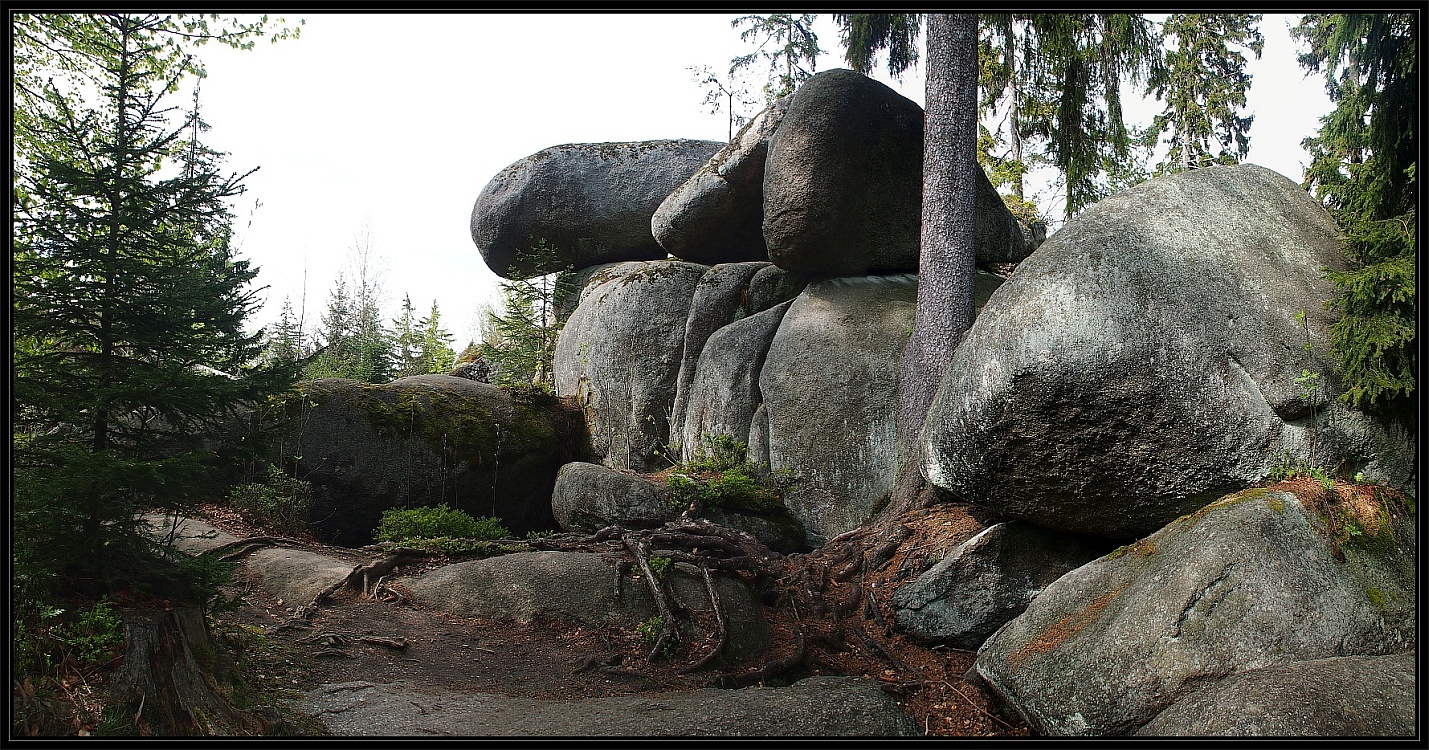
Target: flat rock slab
(193, 537)
(813, 707)
(296, 576)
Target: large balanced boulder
(1260, 578)
(1148, 359)
(843, 184)
(620, 353)
(717, 215)
(590, 202)
(426, 440)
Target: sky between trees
(393, 123)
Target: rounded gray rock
(717, 215)
(828, 386)
(1347, 696)
(1253, 580)
(843, 184)
(620, 355)
(588, 497)
(590, 202)
(1143, 361)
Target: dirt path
(362, 666)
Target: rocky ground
(382, 666)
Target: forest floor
(351, 638)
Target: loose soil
(386, 639)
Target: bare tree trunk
(1014, 115)
(944, 308)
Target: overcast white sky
(395, 122)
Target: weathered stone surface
(812, 707)
(772, 285)
(724, 389)
(843, 184)
(1347, 696)
(717, 215)
(828, 384)
(186, 534)
(588, 497)
(1143, 361)
(721, 297)
(591, 202)
(576, 587)
(620, 353)
(296, 576)
(425, 440)
(987, 581)
(1250, 581)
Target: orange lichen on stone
(1063, 629)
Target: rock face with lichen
(425, 440)
(717, 215)
(619, 356)
(1257, 579)
(590, 202)
(988, 580)
(1152, 356)
(843, 184)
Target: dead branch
(396, 644)
(721, 630)
(636, 545)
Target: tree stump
(166, 684)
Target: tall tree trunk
(1014, 114)
(944, 308)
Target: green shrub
(281, 502)
(97, 636)
(720, 453)
(1289, 467)
(721, 475)
(407, 524)
(650, 629)
(660, 566)
(454, 546)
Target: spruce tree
(1204, 85)
(944, 305)
(1363, 169)
(434, 352)
(787, 43)
(522, 348)
(356, 345)
(407, 342)
(129, 299)
(1076, 97)
(285, 342)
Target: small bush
(407, 524)
(282, 503)
(650, 629)
(97, 636)
(720, 453)
(453, 546)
